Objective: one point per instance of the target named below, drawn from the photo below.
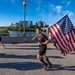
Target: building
(28, 23)
(22, 23)
(17, 24)
(31, 23)
(11, 24)
(40, 23)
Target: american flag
(64, 33)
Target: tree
(20, 29)
(5, 31)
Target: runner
(42, 42)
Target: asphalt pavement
(20, 59)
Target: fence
(15, 40)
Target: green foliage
(20, 29)
(13, 28)
(10, 28)
(5, 31)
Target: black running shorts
(42, 50)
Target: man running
(42, 42)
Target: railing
(16, 35)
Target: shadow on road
(22, 65)
(57, 67)
(56, 57)
(3, 55)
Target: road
(20, 59)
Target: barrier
(18, 39)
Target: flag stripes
(66, 43)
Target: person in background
(42, 42)
(1, 42)
(52, 40)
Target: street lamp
(24, 3)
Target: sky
(49, 11)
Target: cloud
(68, 2)
(70, 13)
(38, 9)
(53, 12)
(58, 9)
(39, 1)
(53, 8)
(13, 1)
(49, 18)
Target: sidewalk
(19, 59)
